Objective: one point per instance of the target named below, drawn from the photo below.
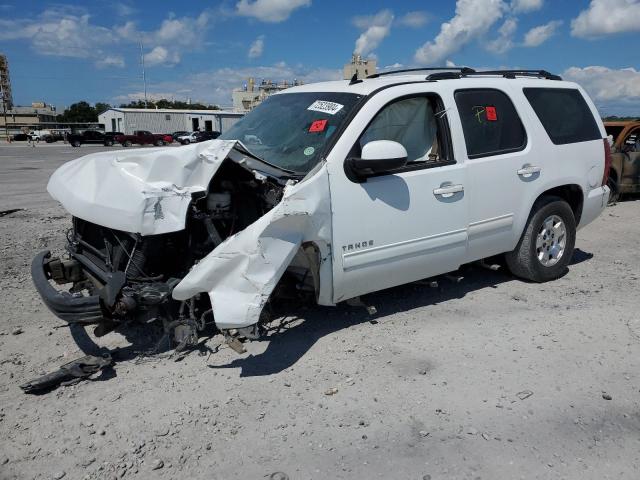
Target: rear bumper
(81, 310)
(594, 204)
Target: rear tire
(158, 143)
(108, 143)
(127, 143)
(75, 143)
(546, 246)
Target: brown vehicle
(624, 176)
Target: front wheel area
(546, 246)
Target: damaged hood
(146, 190)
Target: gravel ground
(489, 378)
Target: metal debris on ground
(523, 395)
(69, 373)
(4, 213)
(357, 302)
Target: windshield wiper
(244, 149)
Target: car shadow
(288, 342)
(299, 326)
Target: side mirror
(378, 156)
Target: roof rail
(504, 73)
(429, 69)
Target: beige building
(22, 119)
(252, 95)
(362, 66)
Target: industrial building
(127, 120)
(252, 95)
(358, 65)
(25, 118)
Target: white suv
(337, 189)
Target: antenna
(144, 77)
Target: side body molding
(240, 274)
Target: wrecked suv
(332, 189)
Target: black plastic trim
(78, 310)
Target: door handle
(448, 190)
(528, 170)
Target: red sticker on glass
(318, 126)
(492, 115)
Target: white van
(335, 189)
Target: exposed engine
(134, 275)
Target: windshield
(290, 130)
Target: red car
(144, 137)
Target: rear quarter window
(564, 114)
(490, 122)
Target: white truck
(333, 190)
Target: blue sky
(64, 52)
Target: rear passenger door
(500, 169)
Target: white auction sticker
(325, 107)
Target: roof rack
(429, 69)
(504, 73)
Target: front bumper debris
(69, 373)
(64, 305)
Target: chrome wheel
(551, 241)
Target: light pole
(4, 113)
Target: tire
(544, 252)
(108, 143)
(76, 143)
(127, 143)
(186, 142)
(614, 196)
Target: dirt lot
(490, 378)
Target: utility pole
(144, 77)
(4, 113)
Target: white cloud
(526, 5)
(174, 35)
(472, 19)
(215, 86)
(540, 34)
(415, 19)
(257, 47)
(504, 42)
(124, 10)
(68, 31)
(376, 28)
(110, 61)
(271, 11)
(161, 56)
(607, 17)
(606, 84)
(57, 33)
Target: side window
(490, 123)
(632, 142)
(564, 114)
(410, 122)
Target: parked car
(89, 137)
(180, 133)
(144, 137)
(20, 137)
(196, 137)
(624, 176)
(358, 186)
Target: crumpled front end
(241, 273)
(175, 235)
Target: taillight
(607, 161)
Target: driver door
(400, 226)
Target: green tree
(170, 104)
(101, 107)
(78, 112)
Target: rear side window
(490, 123)
(564, 114)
